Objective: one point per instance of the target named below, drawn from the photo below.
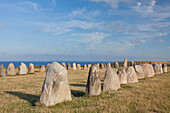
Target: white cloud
(113, 3)
(161, 40)
(53, 2)
(33, 4)
(145, 7)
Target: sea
(39, 63)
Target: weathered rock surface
(93, 83)
(85, 67)
(55, 88)
(164, 66)
(47, 66)
(131, 75)
(125, 63)
(2, 71)
(158, 68)
(108, 65)
(31, 68)
(42, 68)
(122, 75)
(22, 69)
(78, 67)
(139, 71)
(74, 66)
(11, 69)
(111, 80)
(148, 70)
(116, 64)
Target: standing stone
(132, 63)
(93, 83)
(2, 71)
(108, 65)
(139, 71)
(55, 88)
(89, 65)
(122, 75)
(22, 69)
(85, 67)
(158, 68)
(68, 66)
(42, 68)
(101, 66)
(164, 66)
(74, 66)
(111, 80)
(116, 64)
(47, 66)
(64, 65)
(31, 68)
(78, 67)
(11, 69)
(131, 75)
(148, 70)
(98, 65)
(125, 63)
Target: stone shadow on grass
(77, 93)
(78, 85)
(32, 99)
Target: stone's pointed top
(111, 80)
(31, 68)
(22, 69)
(2, 71)
(42, 68)
(78, 67)
(55, 88)
(74, 66)
(125, 63)
(116, 64)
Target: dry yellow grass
(20, 93)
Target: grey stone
(116, 64)
(125, 63)
(164, 66)
(139, 71)
(42, 68)
(64, 65)
(122, 75)
(55, 88)
(47, 66)
(108, 65)
(31, 68)
(2, 71)
(85, 67)
(11, 69)
(148, 70)
(22, 69)
(78, 67)
(88, 66)
(158, 68)
(74, 66)
(93, 83)
(131, 75)
(68, 66)
(101, 66)
(111, 80)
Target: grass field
(21, 93)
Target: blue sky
(84, 30)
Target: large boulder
(116, 64)
(131, 75)
(55, 88)
(139, 71)
(125, 63)
(122, 75)
(111, 80)
(22, 69)
(148, 70)
(85, 67)
(11, 69)
(78, 67)
(93, 83)
(31, 68)
(74, 66)
(158, 68)
(42, 68)
(2, 71)
(164, 66)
